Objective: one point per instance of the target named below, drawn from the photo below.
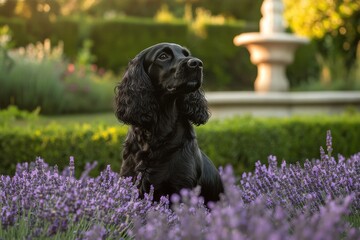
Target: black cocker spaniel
(160, 97)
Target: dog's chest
(142, 139)
(147, 148)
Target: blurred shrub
(12, 113)
(38, 76)
(117, 41)
(164, 14)
(65, 30)
(334, 75)
(238, 141)
(87, 89)
(69, 32)
(32, 79)
(305, 67)
(18, 30)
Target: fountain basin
(271, 53)
(281, 104)
(279, 47)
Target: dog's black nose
(194, 63)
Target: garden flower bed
(319, 200)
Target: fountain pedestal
(271, 49)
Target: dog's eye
(164, 56)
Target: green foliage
(305, 67)
(87, 92)
(18, 30)
(5, 37)
(62, 30)
(12, 113)
(119, 40)
(245, 9)
(32, 78)
(70, 33)
(237, 141)
(337, 85)
(334, 25)
(164, 15)
(84, 56)
(38, 76)
(316, 18)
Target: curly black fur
(160, 96)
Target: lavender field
(319, 199)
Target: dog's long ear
(135, 102)
(194, 106)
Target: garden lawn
(107, 118)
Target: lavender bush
(313, 201)
(49, 202)
(294, 184)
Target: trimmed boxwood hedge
(238, 141)
(243, 141)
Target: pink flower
(71, 68)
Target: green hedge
(243, 141)
(68, 31)
(118, 41)
(238, 141)
(18, 31)
(56, 143)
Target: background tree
(7, 8)
(335, 26)
(245, 9)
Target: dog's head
(172, 69)
(163, 72)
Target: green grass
(107, 118)
(21, 230)
(354, 220)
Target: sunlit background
(95, 39)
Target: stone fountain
(271, 49)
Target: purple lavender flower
(329, 142)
